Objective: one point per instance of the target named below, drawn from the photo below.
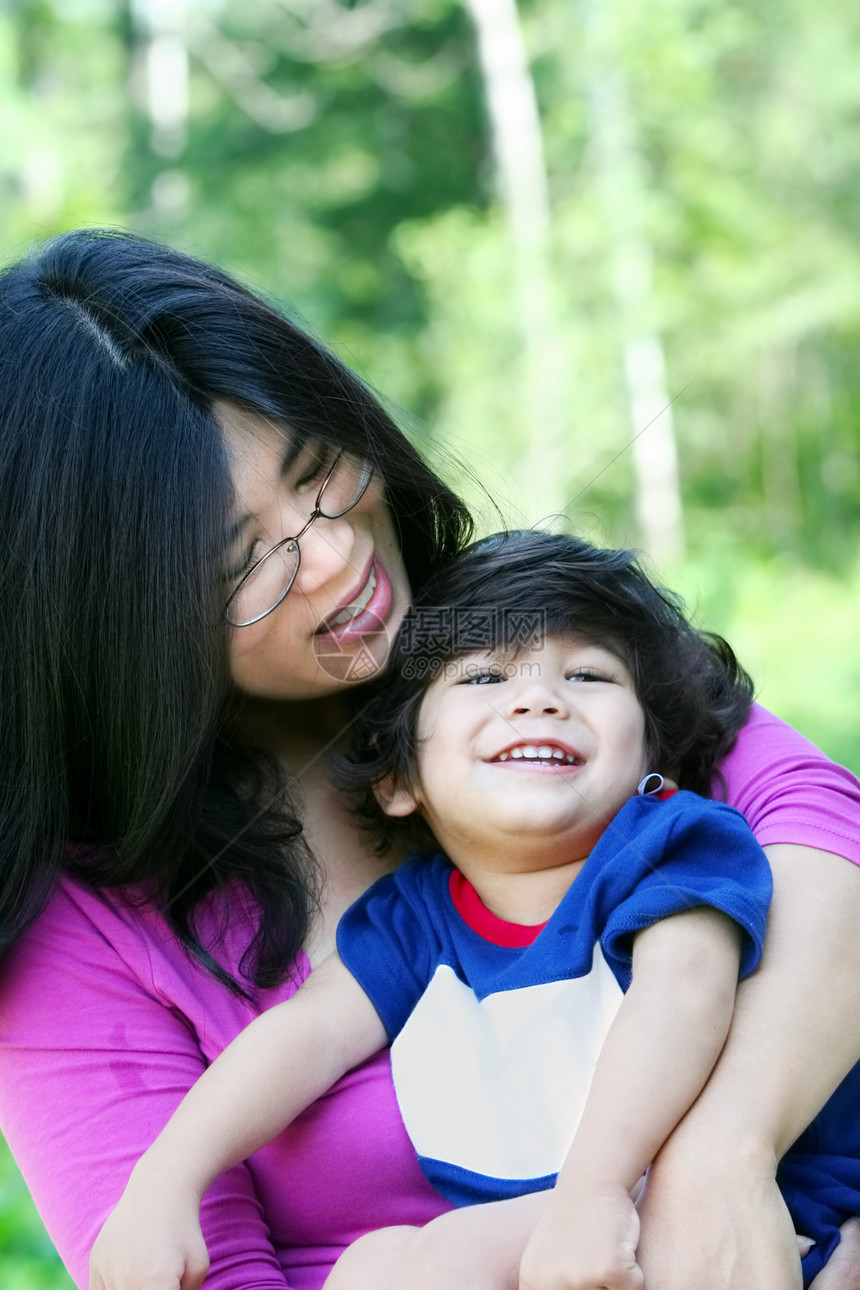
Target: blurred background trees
(605, 253)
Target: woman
(200, 562)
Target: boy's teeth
(354, 609)
(540, 752)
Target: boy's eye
(481, 676)
(588, 674)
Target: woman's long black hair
(510, 590)
(118, 764)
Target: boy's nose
(538, 698)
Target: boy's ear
(394, 800)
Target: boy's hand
(587, 1243)
(151, 1241)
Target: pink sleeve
(92, 1063)
(789, 791)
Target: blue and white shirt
(495, 1029)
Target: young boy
(557, 986)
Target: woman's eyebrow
(294, 450)
(235, 529)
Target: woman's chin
(350, 659)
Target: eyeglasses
(268, 582)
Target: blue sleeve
(688, 852)
(386, 940)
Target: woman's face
(335, 627)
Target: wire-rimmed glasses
(269, 580)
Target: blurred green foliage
(27, 1258)
(700, 160)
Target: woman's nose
(326, 553)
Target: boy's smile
(550, 755)
(524, 758)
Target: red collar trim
(474, 913)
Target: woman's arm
(284, 1060)
(93, 1060)
(712, 1215)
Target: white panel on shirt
(497, 1086)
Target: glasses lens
(346, 486)
(265, 586)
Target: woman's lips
(355, 606)
(366, 610)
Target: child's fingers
(613, 1277)
(196, 1266)
(124, 1271)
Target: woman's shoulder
(93, 949)
(80, 932)
(789, 790)
(104, 1023)
(97, 924)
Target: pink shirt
(105, 1023)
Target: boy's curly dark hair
(511, 589)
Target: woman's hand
(375, 1261)
(720, 1224)
(732, 1232)
(476, 1248)
(843, 1270)
(151, 1241)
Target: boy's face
(526, 755)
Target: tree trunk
(524, 195)
(623, 195)
(165, 96)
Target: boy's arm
(271, 1072)
(660, 1049)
